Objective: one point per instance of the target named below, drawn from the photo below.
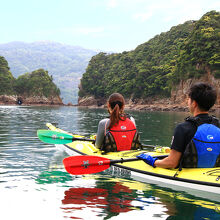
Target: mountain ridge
(66, 63)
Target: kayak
(203, 182)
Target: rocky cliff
(16, 100)
(177, 101)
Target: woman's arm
(101, 132)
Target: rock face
(177, 101)
(179, 94)
(10, 100)
(14, 100)
(91, 101)
(87, 101)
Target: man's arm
(172, 161)
(179, 142)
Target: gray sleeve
(101, 132)
(132, 119)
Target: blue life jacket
(207, 142)
(204, 149)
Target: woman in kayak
(117, 133)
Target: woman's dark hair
(116, 102)
(204, 94)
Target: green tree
(200, 52)
(36, 83)
(6, 78)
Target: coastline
(30, 101)
(154, 108)
(163, 105)
(145, 108)
(177, 104)
(29, 104)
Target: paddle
(83, 164)
(54, 137)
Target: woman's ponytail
(116, 102)
(114, 117)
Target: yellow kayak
(197, 181)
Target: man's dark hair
(204, 94)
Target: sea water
(35, 185)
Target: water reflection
(181, 205)
(106, 200)
(50, 177)
(113, 197)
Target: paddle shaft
(123, 160)
(55, 137)
(112, 162)
(148, 146)
(81, 139)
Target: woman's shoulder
(131, 118)
(104, 121)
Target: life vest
(203, 151)
(122, 136)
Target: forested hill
(6, 78)
(186, 51)
(65, 63)
(37, 83)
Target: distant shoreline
(30, 101)
(154, 108)
(9, 104)
(133, 107)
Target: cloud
(87, 30)
(142, 16)
(81, 31)
(72, 32)
(172, 10)
(148, 10)
(216, 5)
(126, 4)
(112, 3)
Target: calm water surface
(34, 184)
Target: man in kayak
(196, 142)
(117, 133)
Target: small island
(35, 88)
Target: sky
(106, 25)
